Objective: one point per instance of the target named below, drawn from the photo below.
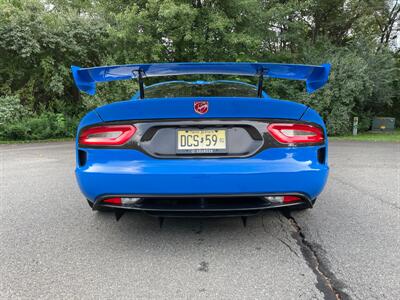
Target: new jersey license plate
(201, 141)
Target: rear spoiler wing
(314, 76)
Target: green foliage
(43, 126)
(37, 47)
(348, 82)
(41, 39)
(360, 84)
(11, 109)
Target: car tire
(102, 209)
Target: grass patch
(38, 141)
(393, 136)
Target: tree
(41, 39)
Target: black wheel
(102, 209)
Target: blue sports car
(201, 148)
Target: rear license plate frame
(201, 151)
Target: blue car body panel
(182, 108)
(279, 170)
(285, 169)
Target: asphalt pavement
(52, 246)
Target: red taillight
(111, 135)
(290, 199)
(291, 133)
(113, 201)
(283, 199)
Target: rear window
(204, 89)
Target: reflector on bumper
(282, 199)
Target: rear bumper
(207, 206)
(272, 171)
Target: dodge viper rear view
(201, 148)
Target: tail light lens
(283, 199)
(290, 199)
(288, 133)
(121, 201)
(111, 135)
(113, 201)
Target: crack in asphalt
(279, 239)
(288, 246)
(327, 283)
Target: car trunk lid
(218, 108)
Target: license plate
(201, 141)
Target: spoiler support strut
(141, 84)
(260, 82)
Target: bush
(14, 132)
(11, 109)
(44, 126)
